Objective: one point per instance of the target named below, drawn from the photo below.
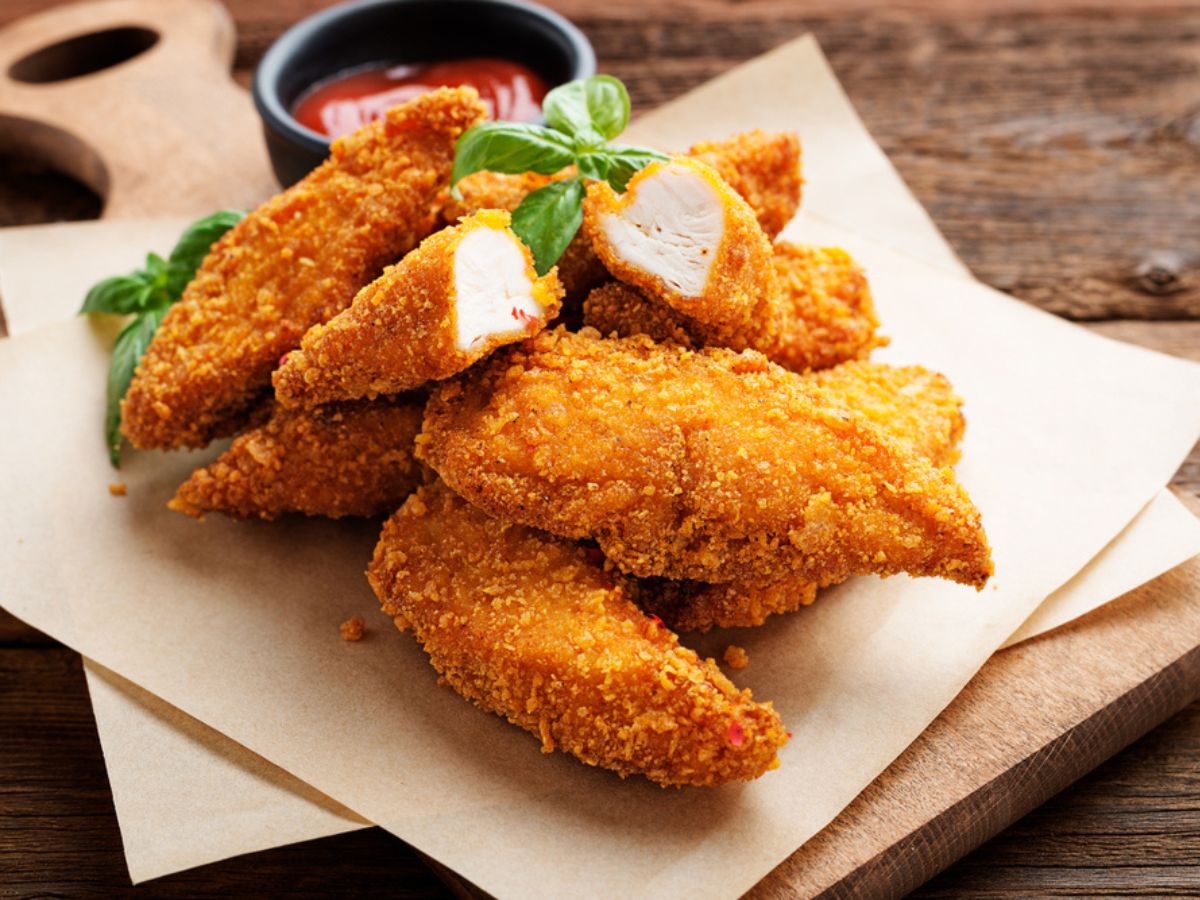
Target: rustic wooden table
(1057, 146)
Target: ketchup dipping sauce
(345, 103)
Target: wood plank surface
(1055, 145)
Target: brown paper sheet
(1070, 436)
(834, 128)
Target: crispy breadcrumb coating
(295, 261)
(347, 459)
(734, 273)
(736, 657)
(910, 403)
(353, 628)
(525, 625)
(401, 331)
(825, 313)
(815, 313)
(707, 465)
(762, 166)
(698, 606)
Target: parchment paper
(236, 624)
(136, 737)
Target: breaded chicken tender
(910, 403)
(685, 239)
(526, 626)
(294, 262)
(464, 292)
(824, 311)
(711, 465)
(762, 166)
(815, 313)
(345, 459)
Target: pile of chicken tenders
(675, 429)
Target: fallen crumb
(736, 657)
(118, 489)
(352, 629)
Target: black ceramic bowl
(364, 32)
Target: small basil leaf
(197, 239)
(509, 147)
(608, 103)
(547, 220)
(625, 162)
(119, 295)
(599, 104)
(128, 348)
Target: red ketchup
(345, 103)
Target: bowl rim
(266, 75)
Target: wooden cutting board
(165, 131)
(1037, 717)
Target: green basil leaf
(594, 165)
(548, 218)
(599, 104)
(119, 295)
(509, 147)
(197, 239)
(128, 348)
(626, 161)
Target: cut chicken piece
(686, 239)
(530, 627)
(295, 261)
(344, 459)
(464, 292)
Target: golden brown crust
(401, 330)
(762, 166)
(816, 312)
(824, 314)
(528, 627)
(346, 459)
(910, 403)
(710, 466)
(295, 261)
(698, 606)
(740, 274)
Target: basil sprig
(147, 294)
(582, 117)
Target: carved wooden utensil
(134, 98)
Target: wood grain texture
(1055, 145)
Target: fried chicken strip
(464, 292)
(685, 239)
(817, 313)
(526, 626)
(709, 465)
(294, 262)
(345, 459)
(910, 403)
